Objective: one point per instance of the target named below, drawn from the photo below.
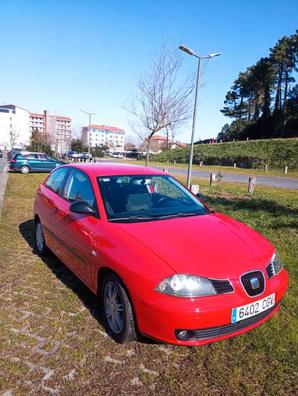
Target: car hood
(212, 245)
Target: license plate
(246, 311)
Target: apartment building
(14, 126)
(110, 136)
(56, 129)
(17, 125)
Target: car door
(32, 160)
(76, 231)
(46, 205)
(47, 163)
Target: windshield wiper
(134, 218)
(179, 214)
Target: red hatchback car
(161, 262)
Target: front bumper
(209, 318)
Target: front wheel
(25, 169)
(117, 310)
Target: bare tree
(13, 137)
(161, 102)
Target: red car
(161, 262)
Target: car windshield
(145, 198)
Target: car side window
(56, 179)
(78, 188)
(42, 157)
(30, 156)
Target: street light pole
(89, 126)
(200, 58)
(190, 161)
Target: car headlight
(276, 263)
(184, 285)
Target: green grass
(51, 336)
(210, 168)
(276, 153)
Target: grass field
(52, 340)
(276, 153)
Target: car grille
(270, 270)
(222, 286)
(211, 332)
(248, 280)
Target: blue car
(26, 162)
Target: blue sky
(70, 55)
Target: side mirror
(81, 207)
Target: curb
(3, 182)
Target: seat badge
(255, 284)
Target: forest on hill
(263, 100)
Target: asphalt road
(273, 181)
(3, 162)
(3, 180)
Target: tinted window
(56, 179)
(78, 188)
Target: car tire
(116, 308)
(25, 169)
(40, 242)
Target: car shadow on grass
(66, 276)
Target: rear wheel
(117, 310)
(40, 239)
(25, 169)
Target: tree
(161, 102)
(38, 143)
(259, 97)
(78, 146)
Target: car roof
(29, 152)
(113, 169)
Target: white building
(14, 126)
(17, 125)
(110, 136)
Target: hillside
(276, 153)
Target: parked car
(160, 261)
(116, 155)
(26, 162)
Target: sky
(69, 55)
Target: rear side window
(30, 156)
(56, 179)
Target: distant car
(26, 162)
(161, 262)
(116, 155)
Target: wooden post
(212, 179)
(235, 165)
(251, 185)
(195, 189)
(286, 169)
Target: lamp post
(89, 126)
(200, 58)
